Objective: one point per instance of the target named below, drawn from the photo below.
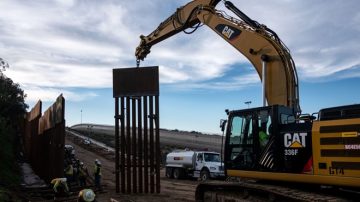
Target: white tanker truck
(196, 164)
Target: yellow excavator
(274, 142)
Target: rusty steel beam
(146, 156)
(140, 151)
(157, 143)
(151, 127)
(122, 145)
(117, 145)
(128, 146)
(133, 143)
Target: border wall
(44, 139)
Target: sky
(71, 47)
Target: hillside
(169, 139)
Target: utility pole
(248, 103)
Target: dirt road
(171, 189)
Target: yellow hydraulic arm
(256, 42)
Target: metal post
(117, 144)
(157, 144)
(122, 144)
(133, 145)
(140, 150)
(264, 59)
(146, 148)
(128, 147)
(151, 140)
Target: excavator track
(255, 191)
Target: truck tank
(184, 159)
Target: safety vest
(59, 181)
(69, 170)
(97, 170)
(82, 171)
(263, 137)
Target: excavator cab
(267, 139)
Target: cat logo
(295, 140)
(228, 31)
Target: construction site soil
(176, 190)
(171, 189)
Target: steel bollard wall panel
(136, 93)
(44, 139)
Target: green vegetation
(12, 111)
(9, 172)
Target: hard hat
(88, 195)
(96, 160)
(53, 180)
(81, 163)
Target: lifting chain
(137, 62)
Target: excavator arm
(184, 17)
(260, 45)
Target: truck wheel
(169, 172)
(204, 175)
(177, 173)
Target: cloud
(322, 37)
(323, 40)
(198, 57)
(232, 83)
(57, 74)
(64, 43)
(346, 73)
(77, 43)
(236, 83)
(35, 93)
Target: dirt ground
(171, 189)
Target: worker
(97, 174)
(76, 170)
(60, 187)
(69, 172)
(263, 136)
(83, 173)
(86, 195)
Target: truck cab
(198, 164)
(208, 165)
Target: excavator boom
(260, 45)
